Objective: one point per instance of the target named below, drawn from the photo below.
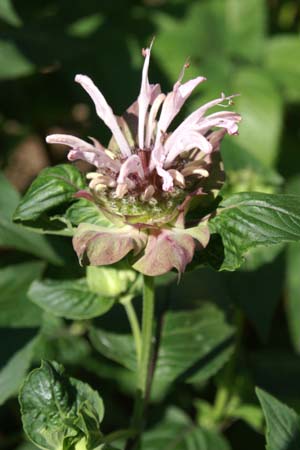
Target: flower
(148, 177)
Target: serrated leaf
(282, 59)
(16, 308)
(261, 106)
(54, 187)
(177, 432)
(247, 220)
(283, 424)
(57, 411)
(13, 373)
(194, 345)
(71, 299)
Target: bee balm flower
(148, 177)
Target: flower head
(148, 176)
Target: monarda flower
(149, 177)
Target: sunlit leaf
(248, 220)
(59, 412)
(71, 299)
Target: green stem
(135, 328)
(147, 327)
(144, 360)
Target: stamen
(148, 193)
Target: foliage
(232, 321)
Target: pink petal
(99, 246)
(70, 141)
(84, 151)
(167, 178)
(147, 95)
(105, 112)
(174, 102)
(166, 250)
(132, 165)
(185, 141)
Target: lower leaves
(59, 412)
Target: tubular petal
(105, 112)
(132, 165)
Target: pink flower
(149, 177)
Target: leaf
(85, 211)
(13, 63)
(13, 373)
(244, 172)
(59, 412)
(282, 59)
(292, 304)
(283, 424)
(246, 28)
(177, 432)
(247, 220)
(53, 188)
(194, 345)
(261, 106)
(16, 308)
(71, 299)
(14, 236)
(8, 13)
(117, 347)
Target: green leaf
(8, 13)
(282, 59)
(260, 105)
(283, 424)
(13, 63)
(247, 220)
(246, 173)
(246, 28)
(292, 278)
(71, 299)
(14, 236)
(177, 432)
(16, 308)
(52, 189)
(13, 373)
(117, 347)
(194, 345)
(59, 412)
(85, 211)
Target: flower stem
(147, 328)
(143, 362)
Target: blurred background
(250, 47)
